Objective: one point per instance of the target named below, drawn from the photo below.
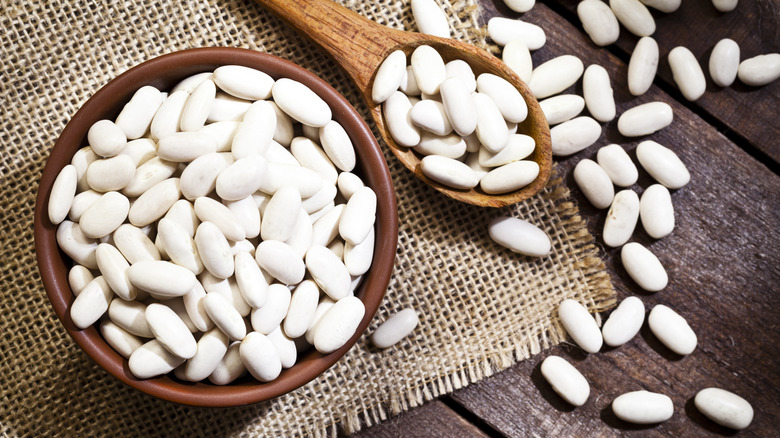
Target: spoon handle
(356, 43)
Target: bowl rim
(107, 100)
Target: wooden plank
(434, 419)
(722, 260)
(750, 112)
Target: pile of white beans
(465, 127)
(602, 23)
(218, 228)
(613, 167)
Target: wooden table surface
(722, 258)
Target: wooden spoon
(360, 45)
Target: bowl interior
(164, 72)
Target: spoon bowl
(360, 45)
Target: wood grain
(722, 257)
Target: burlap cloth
(482, 308)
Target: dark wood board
(434, 419)
(722, 260)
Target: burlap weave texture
(482, 307)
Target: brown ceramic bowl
(164, 72)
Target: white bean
(388, 76)
(358, 216)
(599, 22)
(395, 328)
(161, 278)
(312, 156)
(506, 97)
(301, 103)
(759, 70)
(643, 267)
(170, 330)
(725, 5)
(230, 368)
(113, 267)
(621, 218)
(109, 174)
(724, 62)
(656, 211)
(645, 119)
(106, 138)
(338, 146)
(194, 305)
(519, 236)
(137, 114)
(509, 177)
(724, 407)
(429, 70)
(580, 325)
(662, 164)
(634, 16)
(458, 106)
(430, 18)
(618, 165)
(566, 380)
(558, 109)
(224, 316)
(260, 357)
(687, 73)
(491, 126)
(303, 305)
(503, 30)
(643, 407)
(78, 277)
(448, 171)
(594, 183)
(642, 66)
(148, 174)
(555, 75)
(520, 5)
(105, 215)
(243, 82)
(152, 359)
(214, 250)
(91, 303)
(338, 324)
(154, 203)
(166, 119)
(624, 322)
(211, 348)
(280, 261)
(178, 245)
(268, 317)
(63, 191)
(280, 214)
(518, 58)
(450, 145)
(672, 330)
(520, 146)
(76, 245)
(397, 111)
(328, 271)
(597, 91)
(198, 105)
(119, 339)
(574, 135)
(210, 210)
